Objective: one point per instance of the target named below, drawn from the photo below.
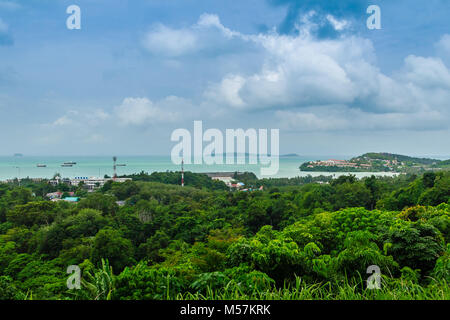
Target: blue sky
(139, 69)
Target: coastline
(99, 166)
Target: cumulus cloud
(302, 74)
(341, 118)
(302, 71)
(207, 35)
(80, 119)
(443, 44)
(77, 126)
(171, 42)
(140, 111)
(306, 82)
(426, 73)
(299, 72)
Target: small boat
(66, 165)
(121, 165)
(71, 163)
(41, 165)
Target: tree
(151, 248)
(109, 244)
(373, 186)
(102, 202)
(416, 245)
(360, 252)
(351, 195)
(257, 215)
(142, 282)
(428, 179)
(439, 192)
(8, 290)
(317, 196)
(33, 213)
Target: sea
(24, 166)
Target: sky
(139, 69)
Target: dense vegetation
(295, 240)
(379, 162)
(398, 157)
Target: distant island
(376, 162)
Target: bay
(98, 166)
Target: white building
(92, 183)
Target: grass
(390, 290)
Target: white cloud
(227, 91)
(301, 72)
(78, 126)
(337, 24)
(169, 42)
(207, 20)
(308, 84)
(298, 72)
(207, 34)
(98, 116)
(444, 44)
(140, 111)
(342, 118)
(426, 73)
(86, 118)
(62, 121)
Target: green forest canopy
(296, 239)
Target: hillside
(376, 162)
(399, 157)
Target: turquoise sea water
(26, 166)
(91, 166)
(97, 166)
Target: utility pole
(182, 172)
(115, 168)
